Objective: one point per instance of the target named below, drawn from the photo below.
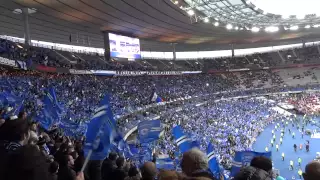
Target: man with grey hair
(312, 171)
(194, 164)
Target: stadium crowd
(27, 151)
(71, 60)
(231, 125)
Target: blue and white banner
(51, 111)
(243, 158)
(156, 98)
(100, 133)
(212, 161)
(165, 163)
(149, 131)
(182, 141)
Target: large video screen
(124, 47)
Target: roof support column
(174, 51)
(106, 45)
(25, 14)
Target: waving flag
(100, 133)
(8, 99)
(181, 139)
(243, 158)
(165, 163)
(149, 131)
(51, 101)
(145, 153)
(156, 98)
(212, 161)
(195, 144)
(51, 111)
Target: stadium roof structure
(193, 24)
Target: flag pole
(86, 160)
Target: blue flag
(100, 131)
(145, 153)
(156, 98)
(51, 100)
(149, 131)
(182, 141)
(165, 163)
(212, 161)
(243, 159)
(8, 99)
(194, 144)
(51, 111)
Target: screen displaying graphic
(124, 47)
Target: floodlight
(236, 28)
(206, 20)
(307, 26)
(216, 24)
(241, 28)
(229, 26)
(176, 2)
(191, 12)
(316, 25)
(271, 29)
(285, 16)
(294, 28)
(255, 29)
(300, 16)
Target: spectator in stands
(108, 166)
(33, 139)
(148, 171)
(13, 134)
(53, 169)
(133, 174)
(60, 154)
(27, 163)
(194, 163)
(168, 175)
(65, 168)
(119, 173)
(312, 171)
(260, 169)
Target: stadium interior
(159, 89)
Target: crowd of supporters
(231, 125)
(27, 151)
(56, 58)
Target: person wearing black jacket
(260, 169)
(108, 166)
(119, 173)
(65, 170)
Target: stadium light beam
(216, 24)
(300, 16)
(294, 28)
(229, 26)
(255, 29)
(272, 29)
(206, 20)
(191, 12)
